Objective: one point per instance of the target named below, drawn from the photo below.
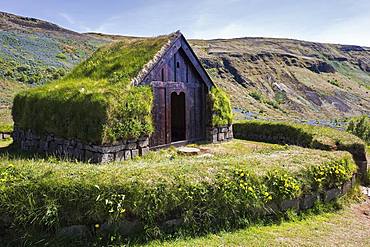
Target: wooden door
(159, 137)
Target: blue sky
(333, 21)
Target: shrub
(220, 106)
(330, 175)
(256, 95)
(61, 56)
(334, 82)
(282, 185)
(360, 126)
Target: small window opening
(178, 65)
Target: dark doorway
(178, 123)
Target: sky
(328, 21)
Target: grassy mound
(302, 135)
(43, 196)
(95, 102)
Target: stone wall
(220, 134)
(76, 150)
(5, 135)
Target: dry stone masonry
(5, 135)
(220, 134)
(27, 140)
(73, 149)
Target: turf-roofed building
(129, 96)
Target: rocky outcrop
(349, 48)
(321, 67)
(234, 72)
(364, 65)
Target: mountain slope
(290, 78)
(35, 51)
(269, 78)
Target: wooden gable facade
(180, 86)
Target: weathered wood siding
(177, 73)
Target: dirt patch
(362, 212)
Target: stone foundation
(220, 134)
(76, 150)
(5, 135)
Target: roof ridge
(156, 58)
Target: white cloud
(355, 30)
(74, 23)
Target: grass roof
(120, 61)
(96, 102)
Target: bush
(220, 106)
(43, 197)
(360, 126)
(283, 185)
(61, 56)
(330, 175)
(256, 95)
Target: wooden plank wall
(178, 70)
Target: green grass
(119, 61)
(236, 178)
(301, 134)
(323, 138)
(6, 127)
(336, 228)
(5, 143)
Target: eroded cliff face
(281, 78)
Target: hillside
(290, 78)
(35, 51)
(270, 78)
